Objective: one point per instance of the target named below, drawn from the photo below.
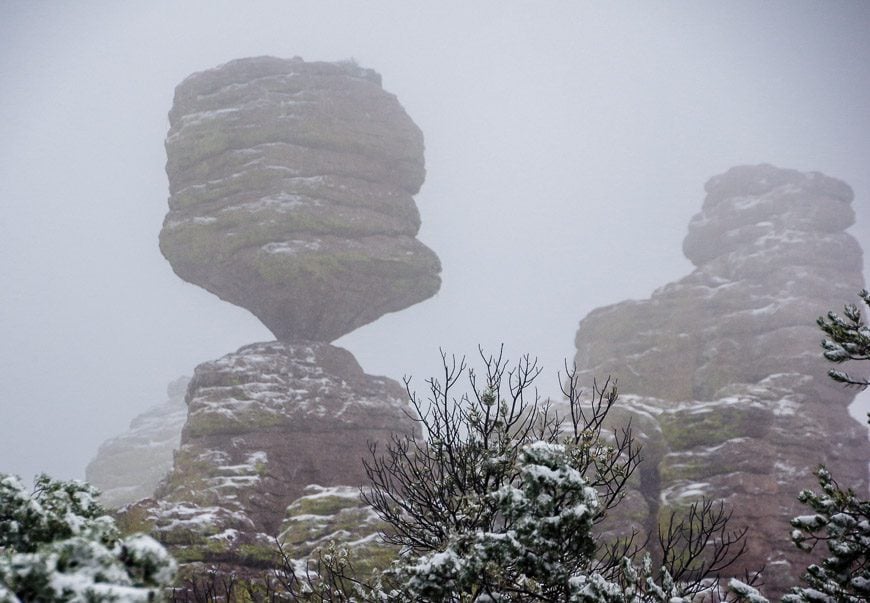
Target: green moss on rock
(207, 423)
(257, 554)
(133, 519)
(713, 425)
(321, 520)
(690, 469)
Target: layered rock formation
(263, 424)
(721, 370)
(129, 466)
(291, 195)
(322, 516)
(291, 190)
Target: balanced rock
(291, 190)
(128, 467)
(722, 370)
(291, 194)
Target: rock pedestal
(263, 424)
(722, 369)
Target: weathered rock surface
(722, 370)
(264, 423)
(324, 517)
(291, 190)
(129, 466)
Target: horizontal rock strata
(291, 194)
(722, 369)
(291, 190)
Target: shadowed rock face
(721, 370)
(291, 190)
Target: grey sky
(567, 147)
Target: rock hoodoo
(291, 190)
(721, 369)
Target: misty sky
(567, 145)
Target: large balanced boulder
(722, 369)
(291, 194)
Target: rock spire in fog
(721, 370)
(291, 190)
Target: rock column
(722, 370)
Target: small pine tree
(842, 521)
(58, 544)
(840, 518)
(847, 340)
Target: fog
(567, 145)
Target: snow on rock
(324, 516)
(721, 373)
(291, 194)
(128, 467)
(264, 423)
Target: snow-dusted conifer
(58, 544)
(847, 339)
(841, 521)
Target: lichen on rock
(263, 424)
(720, 368)
(335, 516)
(291, 195)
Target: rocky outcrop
(291, 190)
(721, 370)
(322, 517)
(129, 466)
(263, 424)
